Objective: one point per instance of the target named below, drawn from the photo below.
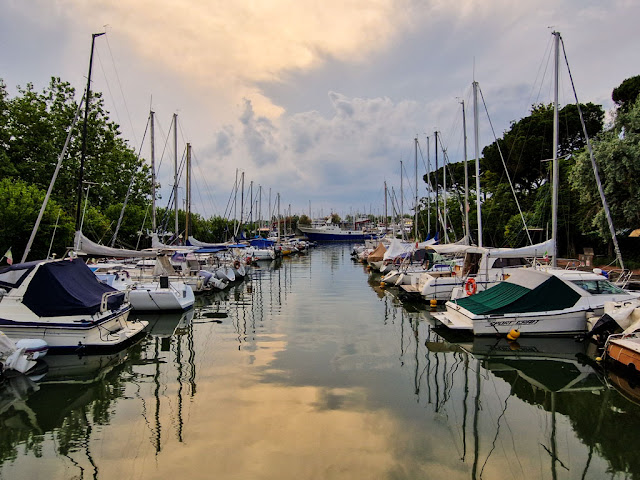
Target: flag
(546, 256)
(9, 257)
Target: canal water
(309, 370)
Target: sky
(319, 102)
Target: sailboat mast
(477, 151)
(175, 173)
(555, 166)
(241, 200)
(436, 179)
(444, 193)
(385, 207)
(428, 186)
(188, 194)
(401, 200)
(87, 101)
(415, 220)
(152, 114)
(466, 173)
(270, 213)
(278, 217)
(251, 202)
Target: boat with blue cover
(63, 303)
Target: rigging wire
(505, 167)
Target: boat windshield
(598, 287)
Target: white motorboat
(63, 303)
(149, 296)
(535, 302)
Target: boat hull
(625, 351)
(538, 323)
(102, 332)
(151, 298)
(335, 234)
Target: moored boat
(63, 303)
(535, 302)
(330, 232)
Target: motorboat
(534, 302)
(162, 294)
(63, 303)
(331, 232)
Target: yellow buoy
(598, 359)
(433, 303)
(513, 334)
(382, 284)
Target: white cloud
(319, 101)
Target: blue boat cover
(262, 243)
(65, 288)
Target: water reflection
(309, 369)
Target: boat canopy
(84, 246)
(526, 290)
(378, 253)
(398, 247)
(262, 243)
(67, 287)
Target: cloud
(297, 94)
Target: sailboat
(535, 301)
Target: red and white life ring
(470, 286)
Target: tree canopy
(625, 94)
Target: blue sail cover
(262, 243)
(65, 288)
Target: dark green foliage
(33, 129)
(625, 94)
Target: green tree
(625, 94)
(33, 129)
(617, 154)
(304, 220)
(20, 204)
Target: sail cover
(65, 288)
(84, 246)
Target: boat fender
(513, 334)
(470, 286)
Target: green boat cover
(506, 297)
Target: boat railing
(572, 263)
(105, 299)
(623, 278)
